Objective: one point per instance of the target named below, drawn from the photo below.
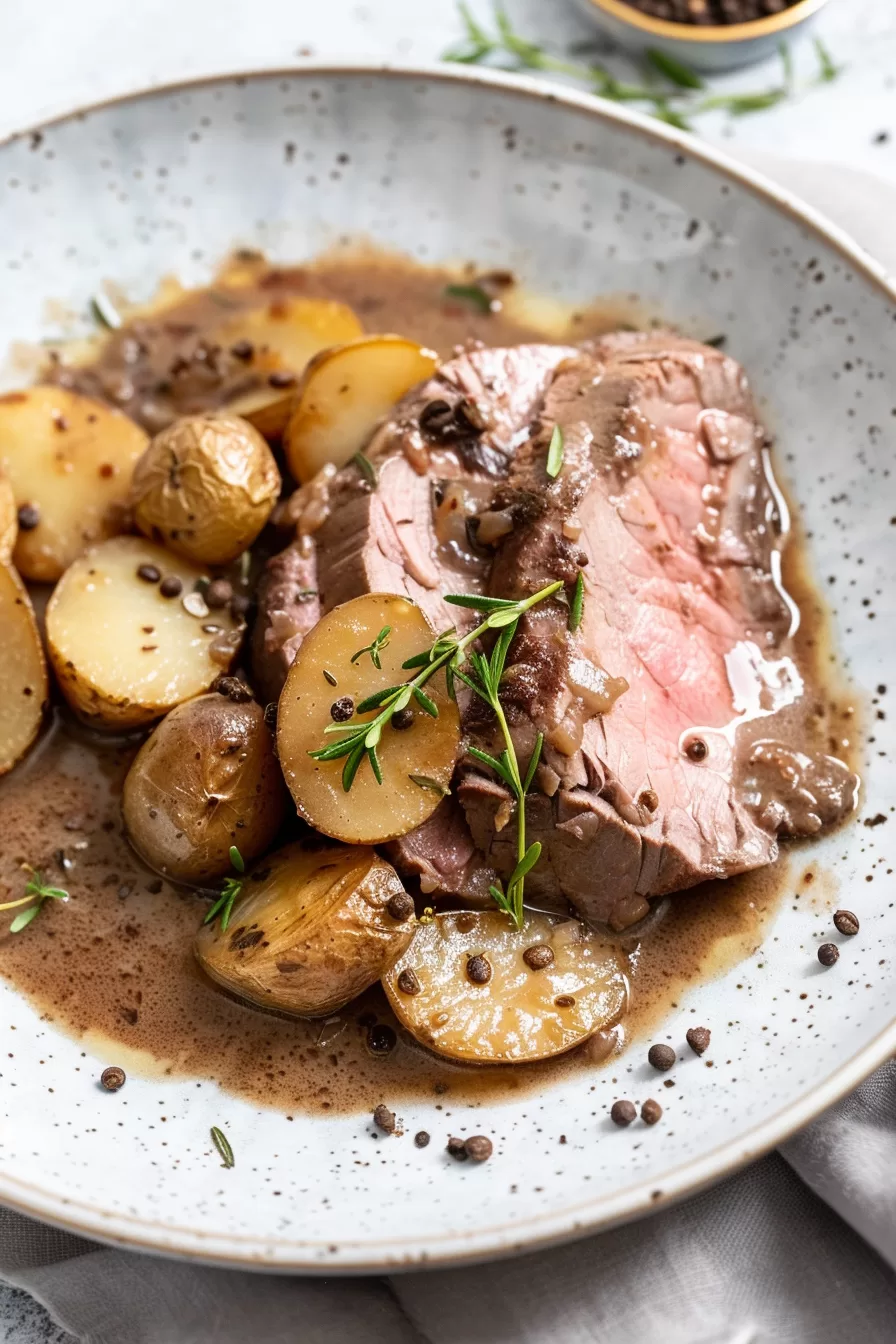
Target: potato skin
(310, 932)
(205, 487)
(9, 522)
(207, 778)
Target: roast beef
(674, 748)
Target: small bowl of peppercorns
(704, 35)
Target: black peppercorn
(479, 1148)
(342, 709)
(171, 586)
(408, 982)
(149, 573)
(401, 906)
(651, 1112)
(457, 1149)
(622, 1113)
(402, 718)
(538, 957)
(479, 970)
(845, 922)
(828, 954)
(219, 593)
(384, 1119)
(662, 1057)
(29, 517)
(113, 1078)
(421, 1139)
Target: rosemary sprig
(232, 887)
(675, 103)
(36, 893)
(355, 740)
(222, 1143)
(367, 469)
(577, 605)
(104, 311)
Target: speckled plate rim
(536, 1232)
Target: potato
(370, 813)
(344, 394)
(311, 930)
(205, 487)
(9, 522)
(70, 459)
(207, 778)
(123, 653)
(23, 671)
(499, 1009)
(284, 334)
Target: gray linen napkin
(763, 1258)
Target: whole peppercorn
(402, 718)
(113, 1078)
(171, 586)
(651, 1111)
(698, 1039)
(384, 1119)
(538, 956)
(457, 1149)
(479, 970)
(622, 1113)
(661, 1057)
(845, 922)
(342, 709)
(828, 954)
(149, 573)
(219, 593)
(479, 1148)
(421, 1139)
(401, 906)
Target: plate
(579, 198)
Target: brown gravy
(114, 966)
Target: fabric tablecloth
(800, 1248)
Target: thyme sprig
(675, 101)
(36, 893)
(232, 887)
(359, 740)
(375, 648)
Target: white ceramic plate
(579, 198)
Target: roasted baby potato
(473, 987)
(344, 394)
(123, 652)
(205, 487)
(207, 778)
(9, 522)
(280, 337)
(23, 671)
(417, 761)
(69, 461)
(311, 929)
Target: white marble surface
(57, 56)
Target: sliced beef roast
(670, 754)
(651, 710)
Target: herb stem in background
(674, 102)
(36, 893)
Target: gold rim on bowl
(775, 24)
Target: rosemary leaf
(328, 676)
(476, 602)
(336, 750)
(528, 861)
(222, 1143)
(424, 782)
(237, 860)
(474, 295)
(350, 769)
(372, 737)
(375, 764)
(498, 619)
(418, 660)
(367, 469)
(374, 701)
(555, 453)
(674, 70)
(105, 312)
(577, 605)
(533, 763)
(425, 703)
(498, 766)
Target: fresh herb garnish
(104, 311)
(36, 892)
(577, 605)
(367, 469)
(424, 782)
(328, 676)
(222, 1143)
(375, 649)
(472, 294)
(232, 887)
(675, 103)
(674, 70)
(555, 453)
(359, 740)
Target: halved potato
(311, 929)
(370, 812)
(205, 487)
(344, 394)
(205, 779)
(465, 988)
(23, 671)
(123, 653)
(70, 458)
(9, 522)
(284, 334)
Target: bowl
(710, 49)
(580, 198)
